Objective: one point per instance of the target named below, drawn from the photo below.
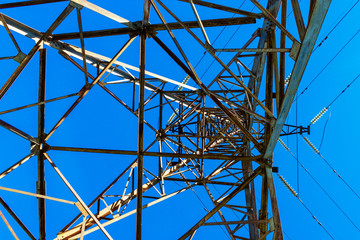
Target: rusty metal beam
(222, 203)
(224, 8)
(159, 154)
(16, 218)
(82, 203)
(298, 18)
(28, 3)
(41, 184)
(18, 132)
(32, 52)
(156, 27)
(312, 32)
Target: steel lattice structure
(193, 132)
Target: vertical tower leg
(41, 128)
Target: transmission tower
(168, 124)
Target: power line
(232, 36)
(326, 37)
(322, 112)
(320, 186)
(343, 91)
(205, 208)
(312, 81)
(297, 196)
(332, 168)
(336, 25)
(323, 134)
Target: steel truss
(219, 132)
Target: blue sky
(101, 122)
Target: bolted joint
(161, 134)
(209, 48)
(143, 29)
(39, 148)
(45, 147)
(76, 5)
(85, 88)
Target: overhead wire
(216, 38)
(332, 168)
(297, 151)
(332, 59)
(297, 196)
(320, 186)
(323, 132)
(327, 108)
(234, 212)
(325, 38)
(336, 25)
(206, 209)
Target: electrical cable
(297, 196)
(320, 186)
(217, 37)
(332, 168)
(297, 151)
(337, 54)
(323, 134)
(232, 36)
(239, 217)
(343, 91)
(321, 113)
(336, 25)
(205, 208)
(324, 110)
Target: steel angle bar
(28, 3)
(197, 80)
(298, 18)
(199, 21)
(273, 19)
(87, 88)
(224, 8)
(9, 33)
(272, 50)
(88, 211)
(16, 165)
(312, 32)
(104, 12)
(101, 194)
(141, 110)
(90, 56)
(38, 103)
(155, 27)
(222, 203)
(32, 52)
(158, 154)
(18, 132)
(236, 222)
(210, 50)
(102, 85)
(117, 204)
(36, 195)
(74, 232)
(8, 226)
(21, 28)
(16, 218)
(82, 43)
(41, 184)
